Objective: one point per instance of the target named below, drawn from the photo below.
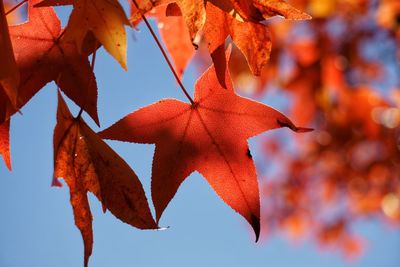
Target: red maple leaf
(87, 164)
(252, 38)
(209, 136)
(263, 9)
(175, 35)
(43, 56)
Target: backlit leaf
(87, 164)
(43, 55)
(106, 19)
(210, 137)
(9, 74)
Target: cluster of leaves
(209, 134)
(342, 74)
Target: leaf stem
(60, 36)
(90, 79)
(15, 7)
(163, 53)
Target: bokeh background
(330, 198)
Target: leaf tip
(305, 16)
(163, 228)
(124, 65)
(293, 127)
(303, 130)
(56, 183)
(7, 160)
(255, 223)
(8, 164)
(86, 260)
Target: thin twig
(60, 36)
(164, 53)
(15, 7)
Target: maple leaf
(210, 137)
(253, 39)
(194, 14)
(9, 75)
(192, 11)
(239, 19)
(106, 19)
(5, 143)
(87, 164)
(175, 36)
(264, 9)
(43, 56)
(246, 9)
(172, 28)
(270, 8)
(143, 6)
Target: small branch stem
(164, 53)
(15, 7)
(60, 36)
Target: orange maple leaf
(87, 164)
(241, 20)
(253, 39)
(43, 56)
(210, 137)
(263, 9)
(172, 28)
(175, 35)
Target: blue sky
(37, 228)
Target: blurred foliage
(342, 73)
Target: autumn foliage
(349, 164)
(340, 82)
